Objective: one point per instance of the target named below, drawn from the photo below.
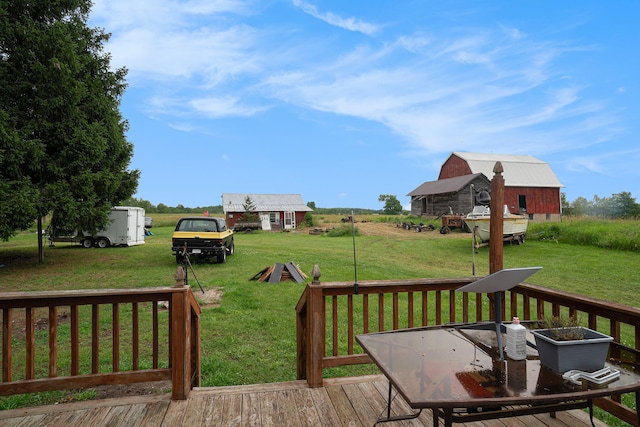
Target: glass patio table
(459, 374)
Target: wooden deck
(341, 402)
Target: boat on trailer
(514, 226)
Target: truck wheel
(221, 257)
(87, 242)
(232, 249)
(103, 242)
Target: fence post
(181, 344)
(315, 330)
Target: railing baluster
(452, 305)
(115, 334)
(395, 310)
(513, 303)
(438, 307)
(526, 307)
(349, 324)
(75, 340)
(365, 313)
(465, 307)
(53, 342)
(95, 338)
(410, 313)
(479, 310)
(7, 351)
(334, 311)
(154, 345)
(380, 312)
(425, 308)
(614, 330)
(135, 337)
(30, 336)
(540, 308)
(593, 321)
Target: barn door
(289, 220)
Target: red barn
(531, 187)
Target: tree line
(618, 206)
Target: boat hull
(514, 226)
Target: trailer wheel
(103, 242)
(88, 242)
(221, 257)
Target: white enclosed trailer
(125, 228)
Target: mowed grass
(250, 337)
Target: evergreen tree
(63, 148)
(249, 209)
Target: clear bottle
(516, 340)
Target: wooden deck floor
(342, 402)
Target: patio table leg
(395, 418)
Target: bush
(309, 221)
(343, 230)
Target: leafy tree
(624, 205)
(311, 205)
(63, 147)
(392, 205)
(580, 206)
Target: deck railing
(76, 339)
(330, 315)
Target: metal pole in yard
(473, 235)
(355, 268)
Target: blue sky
(341, 101)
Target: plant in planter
(563, 345)
(562, 328)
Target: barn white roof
(519, 171)
(234, 202)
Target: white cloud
(350, 24)
(223, 107)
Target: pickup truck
(206, 237)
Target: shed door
(289, 220)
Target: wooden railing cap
(316, 274)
